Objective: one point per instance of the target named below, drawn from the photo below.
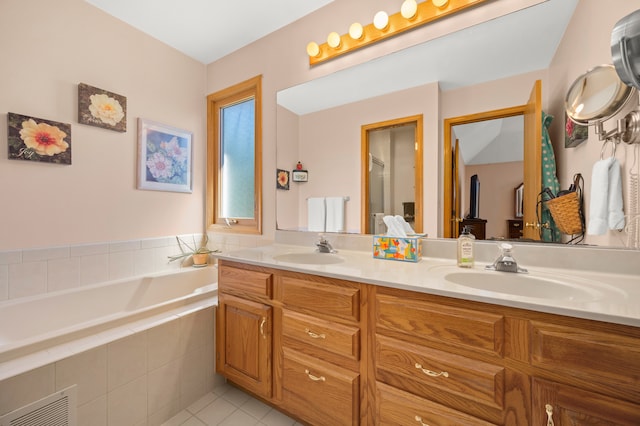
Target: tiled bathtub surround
(30, 272)
(143, 378)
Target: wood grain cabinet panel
(320, 393)
(245, 282)
(395, 407)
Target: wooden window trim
(215, 101)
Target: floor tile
(239, 418)
(257, 409)
(216, 412)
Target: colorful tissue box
(406, 249)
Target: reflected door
(376, 190)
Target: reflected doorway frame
(416, 120)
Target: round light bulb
(333, 40)
(409, 9)
(440, 3)
(381, 20)
(313, 49)
(356, 31)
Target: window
(234, 163)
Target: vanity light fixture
(411, 15)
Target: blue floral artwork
(165, 157)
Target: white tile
(127, 405)
(119, 246)
(93, 269)
(126, 360)
(4, 282)
(196, 329)
(256, 408)
(88, 249)
(27, 279)
(164, 413)
(216, 412)
(156, 242)
(163, 342)
(9, 257)
(276, 418)
(163, 386)
(239, 418)
(120, 265)
(39, 255)
(193, 421)
(236, 396)
(205, 400)
(26, 388)
(88, 370)
(178, 419)
(62, 274)
(193, 382)
(145, 261)
(93, 413)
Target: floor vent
(58, 409)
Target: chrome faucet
(324, 246)
(505, 261)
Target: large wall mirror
(319, 122)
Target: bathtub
(47, 327)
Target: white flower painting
(98, 107)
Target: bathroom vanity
(356, 343)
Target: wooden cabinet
(478, 227)
(336, 352)
(514, 228)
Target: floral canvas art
(282, 179)
(574, 134)
(164, 153)
(37, 139)
(97, 107)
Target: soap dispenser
(465, 248)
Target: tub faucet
(324, 246)
(505, 261)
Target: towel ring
(604, 146)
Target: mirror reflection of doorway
(391, 173)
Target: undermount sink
(523, 285)
(313, 258)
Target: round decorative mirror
(597, 95)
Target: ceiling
(207, 30)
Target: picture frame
(101, 108)
(574, 134)
(299, 175)
(282, 179)
(165, 157)
(37, 139)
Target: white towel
(335, 214)
(316, 214)
(606, 205)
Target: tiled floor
(229, 406)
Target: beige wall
(47, 48)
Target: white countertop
(606, 297)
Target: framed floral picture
(282, 179)
(574, 134)
(37, 139)
(164, 157)
(97, 107)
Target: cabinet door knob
(315, 378)
(549, 409)
(314, 335)
(431, 373)
(262, 323)
(419, 420)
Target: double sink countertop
(600, 296)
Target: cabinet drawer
(334, 298)
(244, 282)
(318, 392)
(430, 372)
(594, 356)
(317, 333)
(395, 407)
(432, 321)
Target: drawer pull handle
(549, 410)
(314, 335)
(315, 378)
(432, 373)
(262, 323)
(419, 420)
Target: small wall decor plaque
(164, 157)
(37, 139)
(282, 179)
(574, 134)
(100, 108)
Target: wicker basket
(566, 213)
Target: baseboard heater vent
(58, 409)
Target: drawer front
(318, 392)
(450, 325)
(395, 407)
(594, 356)
(244, 282)
(317, 333)
(334, 298)
(430, 372)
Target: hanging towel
(606, 204)
(335, 214)
(316, 215)
(549, 180)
